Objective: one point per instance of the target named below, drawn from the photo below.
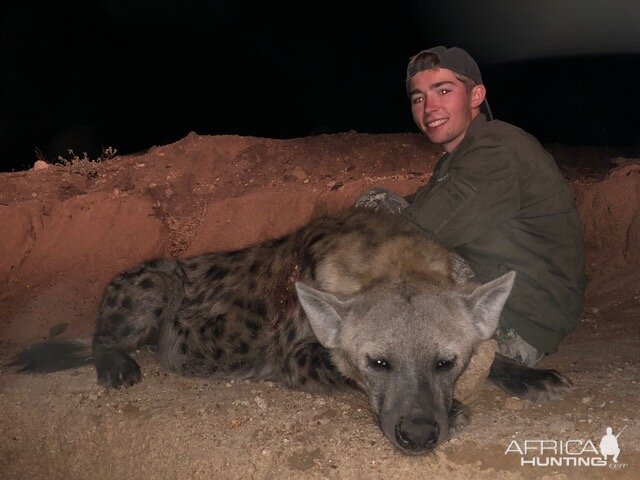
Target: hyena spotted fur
(357, 300)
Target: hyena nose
(417, 434)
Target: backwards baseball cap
(455, 59)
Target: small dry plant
(84, 165)
(181, 230)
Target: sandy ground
(66, 230)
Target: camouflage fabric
(383, 200)
(512, 346)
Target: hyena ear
(324, 311)
(487, 301)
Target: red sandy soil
(67, 230)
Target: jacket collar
(477, 123)
(475, 126)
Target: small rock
(513, 404)
(40, 165)
(299, 173)
(335, 185)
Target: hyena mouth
(416, 435)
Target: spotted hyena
(358, 300)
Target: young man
(496, 198)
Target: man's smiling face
(442, 107)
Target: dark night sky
(87, 74)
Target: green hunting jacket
(500, 201)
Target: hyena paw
(116, 369)
(544, 385)
(537, 385)
(459, 417)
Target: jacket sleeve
(479, 191)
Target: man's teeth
(436, 123)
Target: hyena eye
(445, 364)
(378, 363)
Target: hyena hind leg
(133, 308)
(537, 385)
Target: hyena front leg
(308, 366)
(134, 306)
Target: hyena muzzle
(359, 300)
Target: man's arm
(480, 191)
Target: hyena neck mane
(359, 249)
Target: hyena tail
(53, 356)
(537, 385)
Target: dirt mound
(66, 230)
(610, 213)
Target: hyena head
(405, 345)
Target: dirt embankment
(67, 230)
